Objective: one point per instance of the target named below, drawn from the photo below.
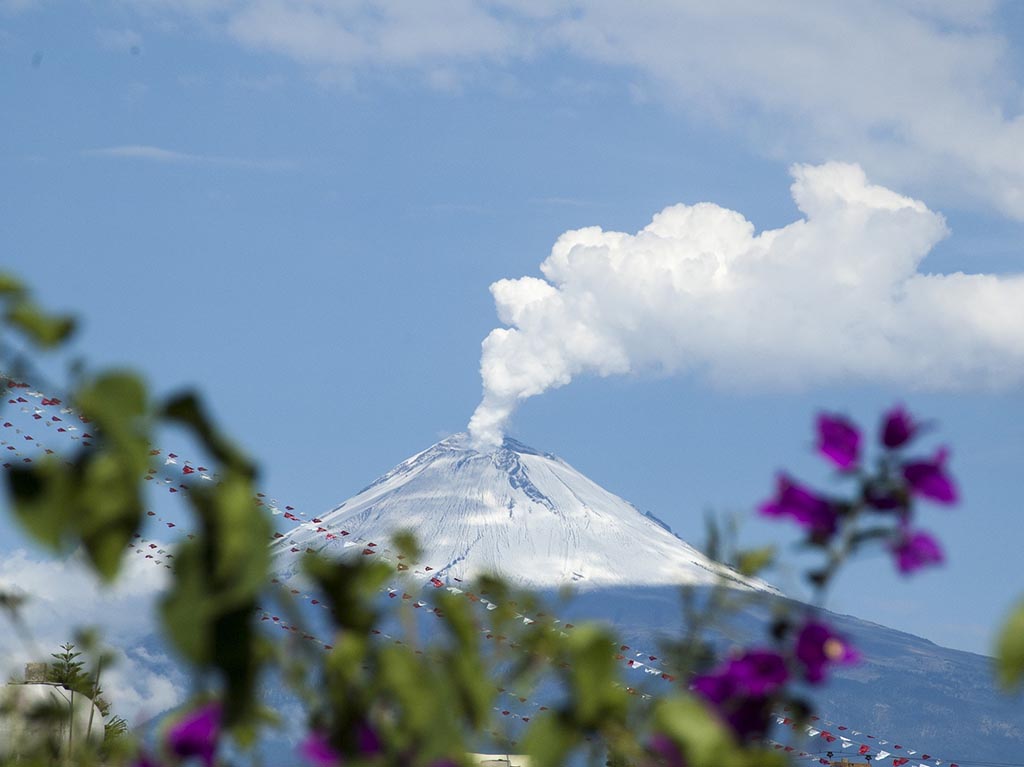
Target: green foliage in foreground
(366, 700)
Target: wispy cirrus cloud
(119, 40)
(923, 95)
(147, 153)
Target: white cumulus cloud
(63, 595)
(838, 295)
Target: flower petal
(197, 733)
(838, 440)
(317, 750)
(898, 427)
(915, 550)
(930, 479)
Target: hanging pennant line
(150, 550)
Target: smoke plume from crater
(835, 295)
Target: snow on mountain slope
(513, 511)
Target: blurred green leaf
(210, 610)
(94, 502)
(1010, 649)
(109, 509)
(593, 673)
(753, 561)
(187, 410)
(549, 740)
(46, 330)
(350, 588)
(705, 740)
(116, 399)
(10, 285)
(405, 544)
(43, 500)
(109, 498)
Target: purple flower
(838, 440)
(898, 427)
(809, 510)
(758, 672)
(916, 550)
(740, 690)
(318, 751)
(197, 733)
(664, 747)
(817, 646)
(929, 478)
(367, 740)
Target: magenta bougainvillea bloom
(318, 751)
(667, 751)
(758, 672)
(197, 733)
(367, 740)
(808, 509)
(740, 690)
(915, 550)
(838, 440)
(817, 646)
(898, 428)
(930, 479)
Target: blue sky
(299, 207)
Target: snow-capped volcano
(514, 511)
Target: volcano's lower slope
(534, 520)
